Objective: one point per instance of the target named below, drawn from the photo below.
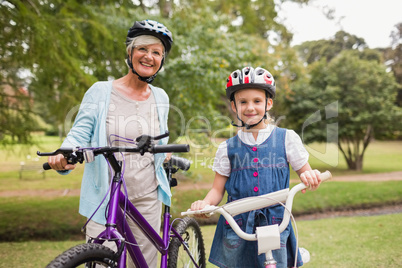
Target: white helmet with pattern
(249, 77)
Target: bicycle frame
(117, 225)
(267, 233)
(117, 229)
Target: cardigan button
(256, 189)
(255, 160)
(254, 149)
(255, 174)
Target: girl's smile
(251, 105)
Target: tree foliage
(58, 49)
(196, 72)
(65, 46)
(312, 51)
(356, 93)
(393, 58)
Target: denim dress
(255, 170)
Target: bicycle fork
(269, 260)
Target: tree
(65, 46)
(312, 51)
(196, 71)
(359, 94)
(393, 58)
(212, 39)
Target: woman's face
(147, 59)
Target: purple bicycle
(181, 245)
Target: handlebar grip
(182, 163)
(46, 166)
(171, 148)
(325, 176)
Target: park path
(389, 176)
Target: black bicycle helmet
(154, 28)
(249, 77)
(151, 27)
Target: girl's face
(250, 104)
(147, 59)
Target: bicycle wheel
(190, 231)
(85, 255)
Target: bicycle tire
(86, 255)
(190, 231)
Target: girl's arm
(214, 196)
(309, 177)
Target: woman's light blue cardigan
(89, 130)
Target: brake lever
(145, 141)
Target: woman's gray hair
(143, 40)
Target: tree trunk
(165, 7)
(353, 157)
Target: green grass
(380, 156)
(25, 218)
(384, 156)
(348, 195)
(341, 242)
(353, 242)
(12, 157)
(39, 218)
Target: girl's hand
(198, 205)
(311, 178)
(58, 162)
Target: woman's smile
(147, 59)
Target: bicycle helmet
(151, 27)
(154, 28)
(249, 77)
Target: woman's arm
(81, 132)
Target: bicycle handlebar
(78, 155)
(182, 163)
(257, 202)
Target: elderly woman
(128, 107)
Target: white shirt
(129, 118)
(296, 154)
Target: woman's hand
(58, 162)
(168, 156)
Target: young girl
(255, 162)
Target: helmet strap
(247, 125)
(149, 79)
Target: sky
(373, 20)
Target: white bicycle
(267, 237)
